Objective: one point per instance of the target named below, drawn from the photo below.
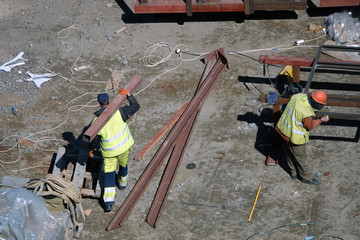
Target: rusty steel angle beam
(114, 105)
(165, 129)
(332, 100)
(170, 172)
(178, 152)
(165, 148)
(303, 62)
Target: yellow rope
(62, 188)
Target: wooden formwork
(84, 174)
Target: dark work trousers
(297, 160)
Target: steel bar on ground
(303, 62)
(170, 171)
(332, 100)
(158, 159)
(166, 128)
(176, 156)
(114, 105)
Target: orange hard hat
(319, 97)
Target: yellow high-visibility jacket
(290, 122)
(115, 136)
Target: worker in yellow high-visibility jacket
(294, 125)
(115, 142)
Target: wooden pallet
(83, 173)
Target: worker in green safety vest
(294, 125)
(115, 142)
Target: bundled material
(62, 188)
(343, 27)
(24, 215)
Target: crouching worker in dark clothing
(115, 142)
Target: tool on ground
(256, 198)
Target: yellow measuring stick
(252, 210)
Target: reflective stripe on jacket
(115, 136)
(290, 122)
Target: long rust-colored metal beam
(294, 61)
(339, 3)
(170, 172)
(181, 6)
(114, 105)
(177, 154)
(168, 143)
(165, 129)
(332, 100)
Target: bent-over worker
(294, 125)
(115, 142)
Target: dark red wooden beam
(114, 105)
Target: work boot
(107, 207)
(118, 185)
(313, 181)
(294, 177)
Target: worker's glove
(91, 153)
(123, 91)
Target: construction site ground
(232, 135)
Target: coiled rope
(52, 185)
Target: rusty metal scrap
(168, 144)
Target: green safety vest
(115, 136)
(290, 122)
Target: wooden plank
(114, 106)
(165, 129)
(80, 168)
(60, 162)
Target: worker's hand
(91, 153)
(123, 91)
(325, 118)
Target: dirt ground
(213, 200)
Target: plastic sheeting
(343, 27)
(24, 215)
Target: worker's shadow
(265, 136)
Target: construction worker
(294, 125)
(115, 142)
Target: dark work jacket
(125, 111)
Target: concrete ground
(232, 135)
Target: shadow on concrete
(265, 134)
(280, 84)
(340, 122)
